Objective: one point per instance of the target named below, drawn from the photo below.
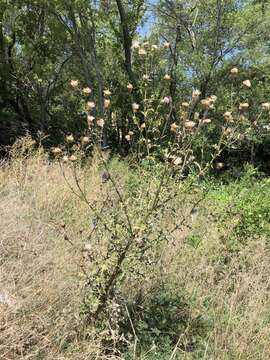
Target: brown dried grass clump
(39, 299)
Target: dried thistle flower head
(107, 92)
(90, 119)
(243, 106)
(234, 71)
(266, 106)
(128, 137)
(166, 100)
(86, 90)
(85, 140)
(90, 105)
(74, 83)
(146, 77)
(219, 165)
(73, 158)
(135, 45)
(228, 131)
(195, 94)
(142, 52)
(247, 83)
(131, 133)
(167, 77)
(129, 87)
(69, 139)
(177, 161)
(206, 121)
(56, 151)
(146, 44)
(135, 107)
(185, 105)
(174, 127)
(213, 98)
(189, 125)
(143, 125)
(65, 159)
(206, 103)
(166, 45)
(228, 116)
(107, 103)
(100, 122)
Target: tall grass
(207, 297)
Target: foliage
(186, 101)
(46, 44)
(246, 201)
(216, 290)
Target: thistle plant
(128, 228)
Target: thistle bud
(185, 105)
(135, 107)
(234, 71)
(85, 140)
(145, 77)
(206, 103)
(247, 83)
(196, 94)
(56, 151)
(65, 159)
(69, 139)
(130, 87)
(90, 105)
(107, 103)
(87, 91)
(135, 45)
(174, 127)
(266, 106)
(228, 116)
(146, 45)
(90, 119)
(107, 92)
(74, 83)
(220, 165)
(177, 161)
(189, 125)
(243, 106)
(100, 122)
(73, 158)
(142, 52)
(166, 100)
(166, 45)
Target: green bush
(246, 203)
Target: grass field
(210, 289)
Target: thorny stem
(122, 201)
(82, 195)
(111, 281)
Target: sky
(149, 19)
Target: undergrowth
(206, 297)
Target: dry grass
(40, 293)
(230, 292)
(37, 267)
